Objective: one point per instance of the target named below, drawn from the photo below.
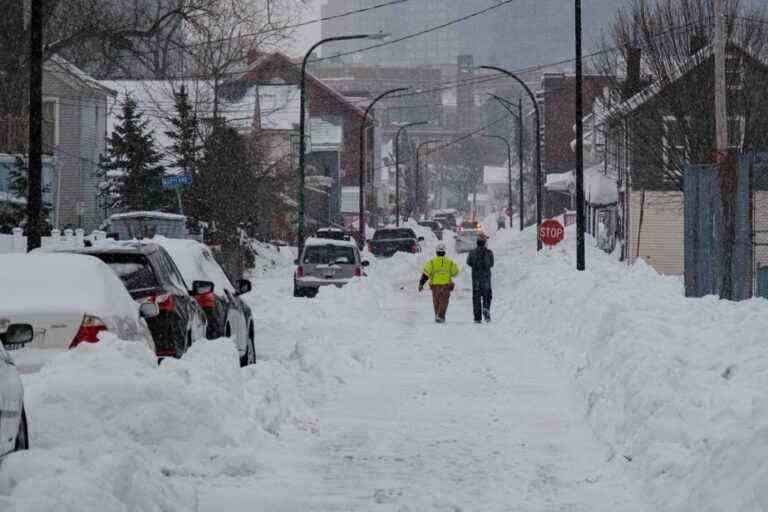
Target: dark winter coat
(480, 260)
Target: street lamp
(363, 126)
(509, 176)
(397, 166)
(538, 145)
(519, 116)
(418, 171)
(302, 123)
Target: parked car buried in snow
(14, 435)
(326, 262)
(68, 299)
(228, 315)
(388, 241)
(151, 276)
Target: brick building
(557, 100)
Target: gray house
(75, 130)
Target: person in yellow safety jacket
(440, 271)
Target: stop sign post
(551, 232)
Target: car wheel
(250, 350)
(311, 292)
(22, 437)
(297, 292)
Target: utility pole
(520, 159)
(35, 175)
(726, 159)
(580, 249)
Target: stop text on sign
(551, 232)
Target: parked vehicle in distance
(68, 299)
(435, 226)
(14, 433)
(466, 236)
(228, 315)
(388, 241)
(325, 262)
(447, 219)
(151, 276)
(332, 234)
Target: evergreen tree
(18, 183)
(131, 171)
(185, 148)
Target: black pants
(481, 297)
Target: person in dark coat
(480, 260)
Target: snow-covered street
(583, 394)
(448, 418)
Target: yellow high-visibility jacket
(441, 270)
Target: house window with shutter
(50, 125)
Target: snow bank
(111, 430)
(674, 387)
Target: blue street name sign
(176, 181)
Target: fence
(17, 242)
(704, 271)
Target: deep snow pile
(675, 387)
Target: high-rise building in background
(520, 34)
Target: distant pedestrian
(440, 271)
(480, 260)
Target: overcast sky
(308, 35)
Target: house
(266, 95)
(649, 137)
(74, 132)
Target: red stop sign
(551, 232)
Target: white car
(68, 299)
(466, 236)
(14, 435)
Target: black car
(387, 242)
(435, 226)
(150, 275)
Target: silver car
(13, 420)
(326, 262)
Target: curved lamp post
(397, 166)
(538, 145)
(519, 116)
(302, 124)
(418, 171)
(363, 126)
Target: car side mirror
(243, 286)
(421, 239)
(365, 263)
(17, 335)
(149, 310)
(202, 287)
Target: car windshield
(133, 269)
(431, 225)
(469, 225)
(390, 234)
(329, 254)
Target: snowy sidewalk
(452, 417)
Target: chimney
(698, 43)
(632, 82)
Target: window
(734, 72)
(50, 125)
(736, 131)
(674, 143)
(328, 254)
(133, 269)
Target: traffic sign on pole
(176, 181)
(551, 232)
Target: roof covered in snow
(329, 241)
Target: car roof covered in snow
(56, 283)
(329, 241)
(107, 246)
(196, 263)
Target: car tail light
(414, 248)
(89, 331)
(206, 300)
(300, 272)
(164, 302)
(358, 272)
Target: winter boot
(487, 315)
